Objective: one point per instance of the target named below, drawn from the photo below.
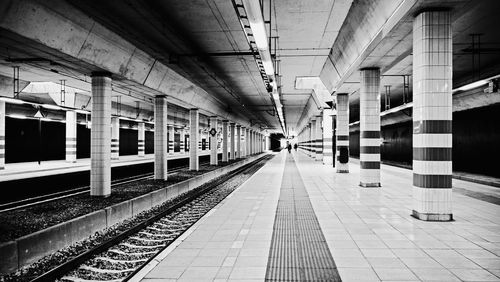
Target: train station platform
(25, 170)
(298, 220)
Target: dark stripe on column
(370, 134)
(370, 165)
(342, 137)
(114, 140)
(369, 150)
(2, 155)
(2, 137)
(342, 146)
(432, 181)
(432, 126)
(432, 154)
(114, 146)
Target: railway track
(73, 192)
(121, 257)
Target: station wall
(476, 135)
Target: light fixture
(12, 100)
(82, 112)
(52, 107)
(471, 85)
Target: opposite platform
(369, 232)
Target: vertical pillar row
(170, 130)
(141, 139)
(244, 142)
(231, 141)
(342, 133)
(160, 137)
(115, 138)
(194, 135)
(432, 116)
(70, 136)
(213, 141)
(319, 138)
(2, 134)
(369, 124)
(238, 141)
(327, 137)
(100, 136)
(225, 140)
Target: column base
(432, 216)
(69, 161)
(369, 185)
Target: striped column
(182, 143)
(2, 134)
(160, 137)
(100, 136)
(342, 133)
(141, 139)
(327, 137)
(170, 134)
(369, 124)
(314, 122)
(70, 137)
(238, 141)
(194, 135)
(232, 151)
(213, 141)
(224, 140)
(115, 138)
(310, 141)
(319, 138)
(432, 116)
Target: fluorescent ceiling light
(18, 116)
(52, 107)
(471, 85)
(82, 111)
(12, 100)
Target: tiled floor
(369, 231)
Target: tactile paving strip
(299, 251)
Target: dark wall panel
(128, 141)
(22, 140)
(82, 141)
(150, 142)
(476, 135)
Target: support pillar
(238, 141)
(342, 133)
(247, 142)
(225, 140)
(432, 116)
(2, 134)
(243, 142)
(170, 134)
(327, 137)
(115, 138)
(319, 138)
(233, 147)
(141, 139)
(314, 136)
(100, 136)
(160, 137)
(369, 124)
(194, 135)
(70, 136)
(213, 141)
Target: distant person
(289, 147)
(295, 146)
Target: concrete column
(327, 137)
(100, 136)
(238, 141)
(160, 137)
(70, 136)
(314, 122)
(369, 124)
(141, 139)
(309, 139)
(268, 143)
(432, 116)
(115, 138)
(2, 134)
(247, 142)
(233, 147)
(225, 140)
(170, 130)
(194, 135)
(182, 143)
(243, 142)
(342, 133)
(213, 141)
(252, 137)
(319, 138)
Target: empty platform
(297, 220)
